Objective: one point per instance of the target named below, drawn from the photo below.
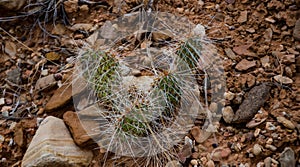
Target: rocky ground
(257, 41)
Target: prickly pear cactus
(146, 73)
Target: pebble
(1, 139)
(270, 126)
(257, 149)
(245, 65)
(285, 122)
(270, 20)
(283, 80)
(288, 59)
(229, 95)
(196, 133)
(10, 48)
(243, 17)
(194, 162)
(52, 56)
(210, 163)
(268, 35)
(287, 158)
(271, 147)
(173, 164)
(228, 114)
(296, 33)
(267, 162)
(230, 54)
(213, 107)
(220, 153)
(256, 132)
(2, 101)
(14, 75)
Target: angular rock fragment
(254, 100)
(78, 132)
(245, 65)
(287, 158)
(53, 145)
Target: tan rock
(243, 17)
(52, 145)
(245, 65)
(285, 122)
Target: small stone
(44, 72)
(269, 141)
(52, 56)
(270, 20)
(194, 162)
(270, 126)
(283, 79)
(243, 17)
(45, 83)
(257, 149)
(83, 27)
(288, 72)
(1, 139)
(289, 59)
(213, 107)
(84, 8)
(229, 95)
(287, 158)
(250, 30)
(71, 6)
(220, 153)
(267, 162)
(14, 75)
(108, 31)
(228, 114)
(210, 163)
(265, 61)
(285, 122)
(180, 10)
(230, 54)
(296, 33)
(173, 164)
(2, 101)
(199, 31)
(53, 144)
(10, 48)
(60, 98)
(196, 133)
(256, 132)
(268, 35)
(59, 29)
(271, 147)
(245, 65)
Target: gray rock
(287, 158)
(14, 76)
(53, 145)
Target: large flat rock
(53, 145)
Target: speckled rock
(53, 145)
